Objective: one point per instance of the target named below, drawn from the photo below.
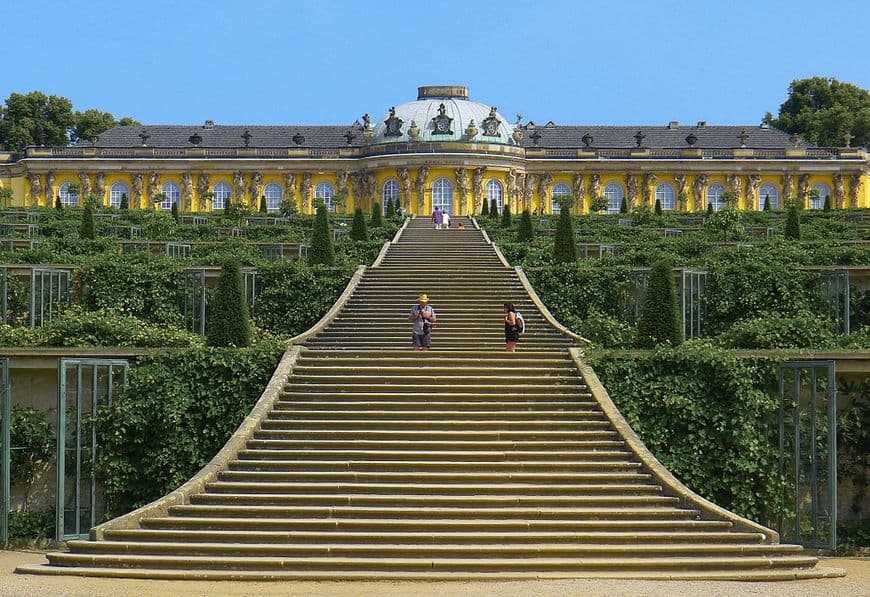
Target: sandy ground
(855, 584)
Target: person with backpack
(423, 318)
(514, 326)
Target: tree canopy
(824, 110)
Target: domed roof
(443, 113)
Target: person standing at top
(423, 318)
(437, 218)
(511, 327)
(446, 219)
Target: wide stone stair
(465, 461)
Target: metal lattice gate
(835, 285)
(50, 292)
(5, 451)
(808, 452)
(85, 386)
(692, 284)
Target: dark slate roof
(551, 136)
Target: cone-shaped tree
(359, 230)
(88, 227)
(506, 216)
(229, 323)
(827, 203)
(322, 249)
(659, 319)
(623, 206)
(263, 207)
(377, 218)
(564, 249)
(710, 208)
(125, 203)
(793, 224)
(484, 211)
(658, 207)
(391, 210)
(493, 208)
(525, 231)
(767, 206)
(58, 204)
(175, 210)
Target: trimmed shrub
(263, 207)
(493, 208)
(377, 218)
(359, 229)
(827, 203)
(767, 206)
(125, 203)
(806, 330)
(322, 250)
(659, 320)
(623, 206)
(793, 224)
(174, 211)
(484, 210)
(391, 209)
(88, 230)
(229, 323)
(709, 209)
(58, 204)
(658, 207)
(525, 231)
(564, 247)
(506, 216)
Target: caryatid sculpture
(632, 187)
(420, 186)
(682, 181)
(477, 187)
(290, 186)
(753, 181)
(305, 190)
(787, 187)
(138, 188)
(577, 188)
(50, 179)
(649, 179)
(854, 188)
(239, 186)
(100, 185)
(85, 181)
(154, 186)
(202, 187)
(511, 186)
(462, 188)
(734, 185)
(186, 191)
(839, 190)
(698, 187)
(404, 188)
(545, 181)
(803, 187)
(256, 188)
(35, 181)
(595, 185)
(529, 190)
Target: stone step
(422, 456)
(428, 477)
(520, 424)
(438, 415)
(319, 404)
(519, 448)
(313, 384)
(411, 466)
(623, 485)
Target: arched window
(274, 193)
(818, 194)
(559, 190)
(69, 196)
(172, 194)
(442, 195)
(714, 196)
(118, 191)
(324, 192)
(614, 193)
(768, 191)
(494, 190)
(666, 196)
(222, 194)
(390, 193)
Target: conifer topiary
(377, 219)
(174, 211)
(58, 204)
(658, 207)
(525, 231)
(493, 208)
(229, 323)
(125, 203)
(564, 249)
(827, 206)
(709, 209)
(623, 206)
(659, 320)
(793, 224)
(506, 216)
(484, 211)
(322, 249)
(767, 206)
(359, 229)
(88, 227)
(263, 207)
(391, 210)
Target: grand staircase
(379, 462)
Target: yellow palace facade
(441, 150)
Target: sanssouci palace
(442, 150)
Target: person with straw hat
(423, 318)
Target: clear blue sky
(329, 61)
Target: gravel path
(855, 584)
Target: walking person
(445, 216)
(437, 218)
(514, 325)
(423, 318)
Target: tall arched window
(172, 194)
(714, 196)
(768, 192)
(666, 196)
(324, 192)
(118, 191)
(614, 193)
(442, 195)
(494, 190)
(390, 193)
(274, 193)
(69, 196)
(559, 190)
(222, 194)
(819, 193)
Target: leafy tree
(564, 248)
(229, 323)
(658, 207)
(659, 320)
(129, 121)
(35, 119)
(288, 207)
(359, 230)
(623, 206)
(125, 203)
(793, 224)
(377, 220)
(506, 216)
(322, 249)
(727, 220)
(599, 204)
(767, 206)
(263, 207)
(5, 196)
(88, 226)
(525, 231)
(484, 211)
(89, 124)
(824, 110)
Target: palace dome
(443, 113)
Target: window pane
(559, 190)
(614, 194)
